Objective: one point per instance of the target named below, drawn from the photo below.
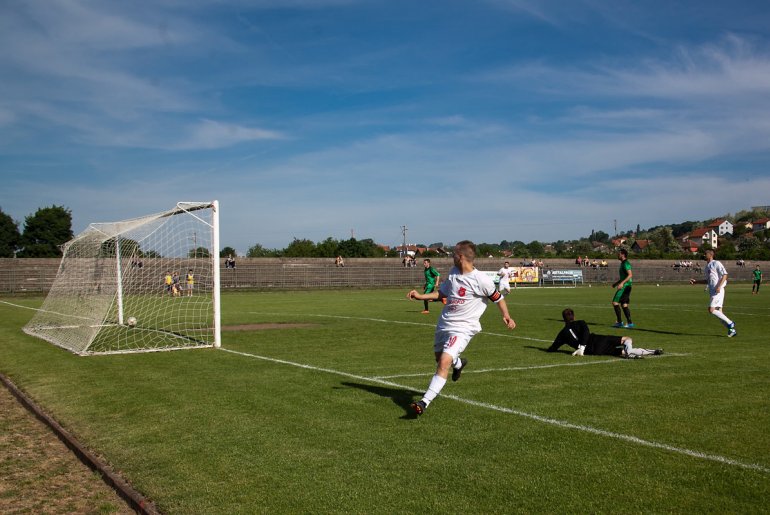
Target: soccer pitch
(308, 412)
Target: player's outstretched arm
(415, 295)
(507, 320)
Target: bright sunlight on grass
(309, 413)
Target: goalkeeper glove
(579, 351)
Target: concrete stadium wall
(19, 276)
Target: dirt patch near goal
(38, 474)
(262, 327)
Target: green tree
(726, 250)
(258, 251)
(600, 236)
(747, 245)
(683, 228)
(664, 241)
(329, 248)
(10, 237)
(227, 251)
(487, 249)
(536, 249)
(300, 248)
(582, 247)
(360, 248)
(560, 247)
(46, 231)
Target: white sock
(434, 388)
(721, 316)
(457, 363)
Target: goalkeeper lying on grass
(577, 335)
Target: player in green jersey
(757, 280)
(623, 290)
(431, 281)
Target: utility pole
(403, 233)
(616, 226)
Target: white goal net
(146, 284)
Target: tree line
(43, 234)
(46, 230)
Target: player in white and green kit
(623, 290)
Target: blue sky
(488, 120)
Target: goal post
(145, 284)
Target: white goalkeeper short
(451, 342)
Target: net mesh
(139, 285)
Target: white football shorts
(451, 342)
(717, 299)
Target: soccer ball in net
(131, 322)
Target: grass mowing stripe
(534, 367)
(531, 416)
(400, 322)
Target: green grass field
(313, 419)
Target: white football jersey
(505, 274)
(714, 272)
(467, 296)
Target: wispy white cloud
(307, 126)
(210, 134)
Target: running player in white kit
(716, 279)
(467, 292)
(505, 275)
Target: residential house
(703, 235)
(760, 225)
(722, 227)
(640, 246)
(689, 246)
(618, 242)
(412, 250)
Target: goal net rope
(146, 284)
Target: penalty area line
(538, 418)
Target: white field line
(533, 367)
(642, 307)
(545, 420)
(531, 416)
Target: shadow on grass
(628, 331)
(545, 349)
(399, 397)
